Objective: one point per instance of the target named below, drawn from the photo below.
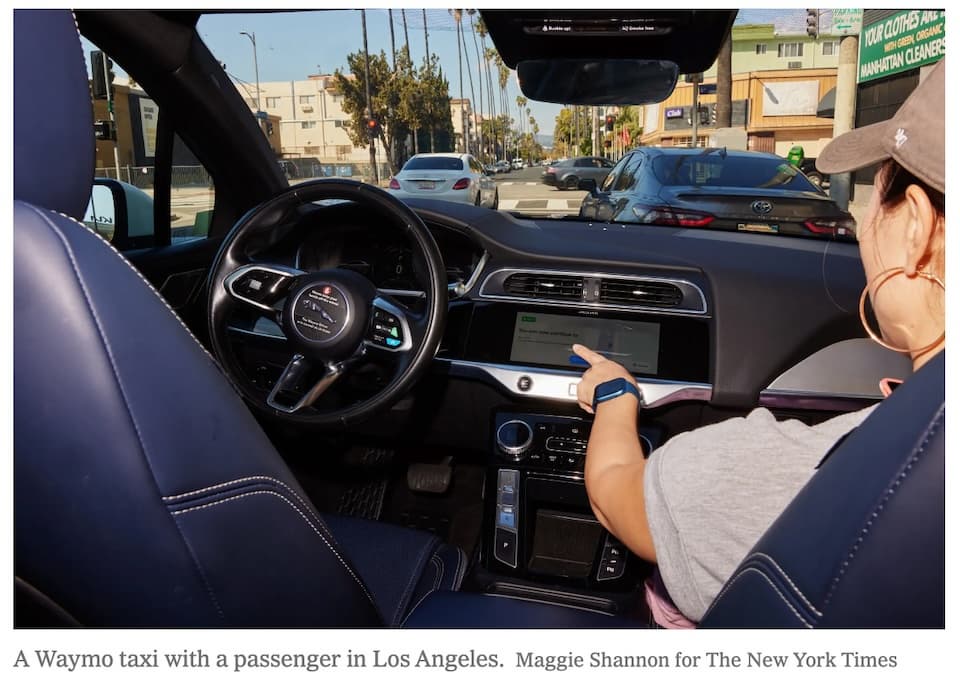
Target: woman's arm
(615, 464)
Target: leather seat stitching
(55, 228)
(299, 512)
(407, 592)
(766, 578)
(932, 428)
(792, 584)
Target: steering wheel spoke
(289, 394)
(262, 286)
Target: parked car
(716, 188)
(490, 169)
(445, 176)
(517, 164)
(567, 173)
(502, 166)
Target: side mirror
(588, 184)
(120, 212)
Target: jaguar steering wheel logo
(761, 207)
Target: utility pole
(725, 83)
(256, 75)
(695, 111)
(844, 110)
(595, 146)
(113, 117)
(393, 45)
(366, 78)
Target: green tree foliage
(400, 100)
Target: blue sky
(293, 45)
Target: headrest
(53, 143)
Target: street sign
(708, 88)
(262, 115)
(846, 22)
(903, 41)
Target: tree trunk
(725, 83)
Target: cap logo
(900, 138)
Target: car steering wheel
(333, 320)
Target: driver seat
(146, 493)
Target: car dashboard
(711, 324)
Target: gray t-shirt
(712, 492)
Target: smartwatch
(612, 389)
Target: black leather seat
(146, 494)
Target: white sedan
(455, 177)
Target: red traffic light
(609, 123)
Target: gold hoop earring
(881, 279)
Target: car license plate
(759, 226)
(426, 185)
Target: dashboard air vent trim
(660, 295)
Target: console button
(505, 547)
(535, 458)
(506, 517)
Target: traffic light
(704, 115)
(373, 128)
(101, 66)
(713, 116)
(104, 129)
(609, 123)
(813, 22)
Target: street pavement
(521, 190)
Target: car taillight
(394, 184)
(844, 226)
(462, 183)
(672, 217)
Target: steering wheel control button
(514, 437)
(524, 383)
(505, 546)
(386, 329)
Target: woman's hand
(601, 370)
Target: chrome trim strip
(584, 304)
(399, 292)
(288, 272)
(559, 385)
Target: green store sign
(905, 41)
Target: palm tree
(457, 15)
(476, 49)
(473, 94)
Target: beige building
(777, 109)
(312, 122)
(462, 114)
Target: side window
(583, 163)
(628, 177)
(607, 183)
(138, 165)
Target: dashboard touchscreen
(546, 339)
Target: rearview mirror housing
(597, 82)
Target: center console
(538, 523)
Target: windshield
(431, 81)
(722, 170)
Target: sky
(293, 45)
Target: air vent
(794, 64)
(640, 293)
(544, 286)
